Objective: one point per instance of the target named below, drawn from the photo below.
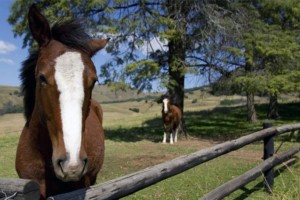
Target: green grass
(219, 123)
(133, 142)
(8, 146)
(198, 181)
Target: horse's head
(65, 76)
(166, 104)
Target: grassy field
(133, 142)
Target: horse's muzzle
(70, 171)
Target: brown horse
(62, 143)
(172, 120)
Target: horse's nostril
(60, 163)
(85, 160)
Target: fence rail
(19, 189)
(234, 184)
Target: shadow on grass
(247, 192)
(135, 134)
(221, 123)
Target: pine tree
(253, 46)
(180, 27)
(268, 48)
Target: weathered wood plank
(20, 188)
(268, 152)
(75, 195)
(134, 182)
(236, 183)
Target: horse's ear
(39, 26)
(97, 44)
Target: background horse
(172, 119)
(62, 143)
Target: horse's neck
(169, 113)
(170, 110)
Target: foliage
(267, 48)
(137, 110)
(249, 83)
(143, 73)
(130, 24)
(169, 33)
(194, 100)
(271, 47)
(10, 107)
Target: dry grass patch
(11, 123)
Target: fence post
(268, 152)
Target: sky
(12, 54)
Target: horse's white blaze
(165, 102)
(69, 79)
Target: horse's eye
(43, 79)
(94, 82)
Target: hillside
(104, 94)
(11, 98)
(101, 93)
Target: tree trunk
(251, 108)
(273, 108)
(177, 11)
(176, 75)
(177, 46)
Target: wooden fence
(19, 189)
(134, 182)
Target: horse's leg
(176, 133)
(165, 133)
(171, 136)
(165, 137)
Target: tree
(283, 16)
(177, 25)
(275, 47)
(268, 52)
(162, 40)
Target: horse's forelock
(72, 34)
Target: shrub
(18, 93)
(10, 107)
(194, 100)
(137, 110)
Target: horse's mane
(72, 34)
